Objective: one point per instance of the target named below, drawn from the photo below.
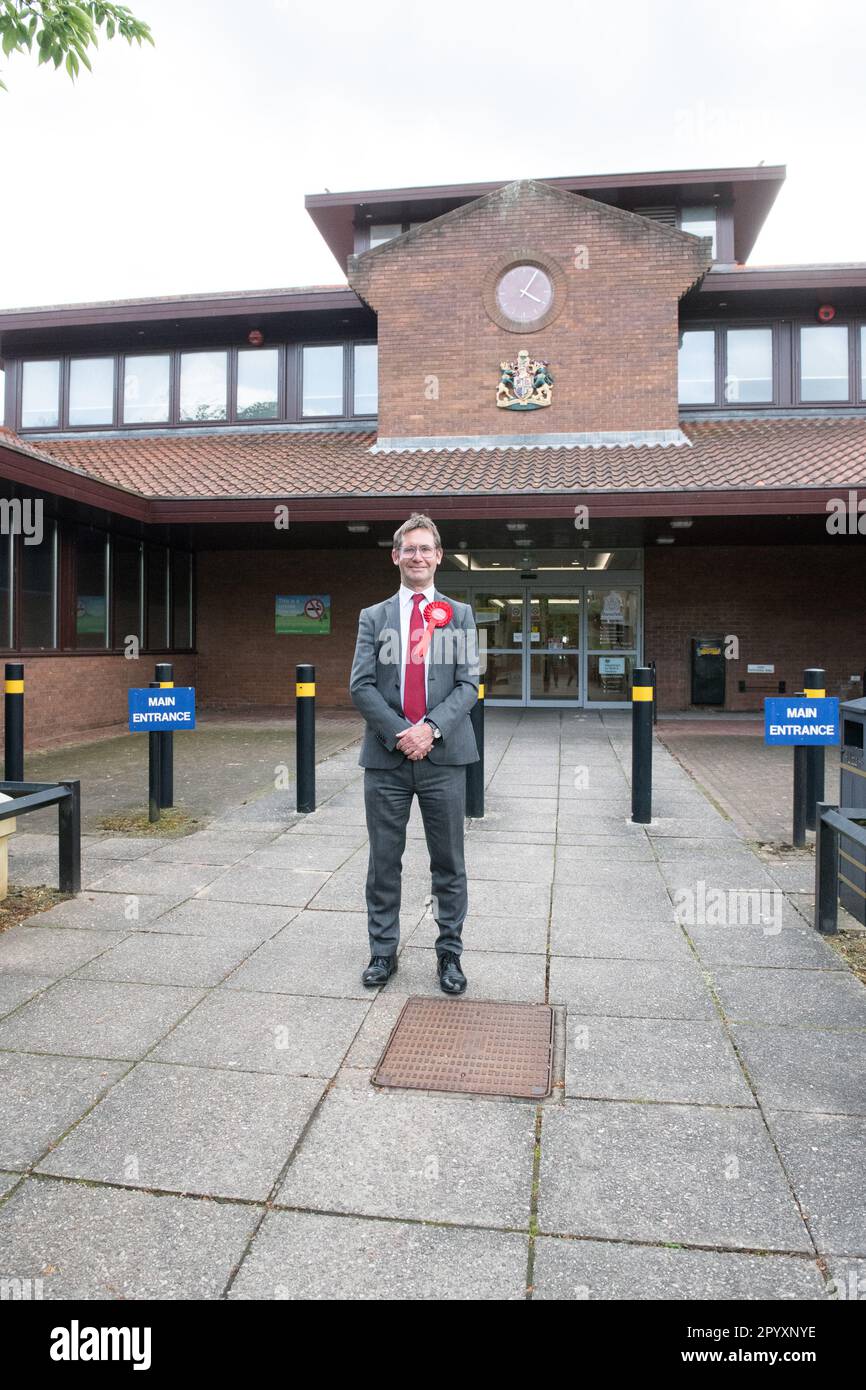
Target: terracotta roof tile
(725, 455)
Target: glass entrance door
(552, 647)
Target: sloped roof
(725, 456)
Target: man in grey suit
(415, 694)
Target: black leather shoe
(451, 977)
(379, 971)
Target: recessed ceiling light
(681, 523)
(515, 525)
(524, 541)
(664, 540)
(359, 528)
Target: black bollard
(642, 695)
(164, 673)
(814, 683)
(305, 737)
(475, 771)
(14, 721)
(69, 837)
(154, 752)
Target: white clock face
(524, 293)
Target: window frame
(324, 343)
(852, 397)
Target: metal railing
(66, 796)
(833, 823)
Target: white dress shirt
(406, 596)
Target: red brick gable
(612, 349)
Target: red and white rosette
(438, 613)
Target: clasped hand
(416, 742)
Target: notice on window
(303, 613)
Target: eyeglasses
(425, 550)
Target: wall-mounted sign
(611, 665)
(761, 670)
(303, 613)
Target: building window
(824, 363)
(91, 391)
(181, 599)
(2, 396)
(323, 381)
(699, 222)
(749, 374)
(91, 588)
(697, 367)
(39, 590)
(5, 589)
(157, 597)
(258, 384)
(40, 395)
(366, 381)
(380, 232)
(203, 385)
(146, 390)
(126, 591)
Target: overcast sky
(183, 167)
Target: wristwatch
(437, 733)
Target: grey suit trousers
(388, 793)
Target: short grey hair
(417, 522)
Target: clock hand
(530, 280)
(530, 296)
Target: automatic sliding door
(553, 651)
(500, 618)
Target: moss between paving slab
(852, 948)
(22, 902)
(171, 822)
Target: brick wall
(612, 350)
(242, 662)
(81, 696)
(790, 606)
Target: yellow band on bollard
(642, 692)
(14, 687)
(815, 694)
(166, 684)
(305, 687)
(481, 691)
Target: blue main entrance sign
(161, 710)
(798, 719)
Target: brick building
(669, 472)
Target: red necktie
(414, 693)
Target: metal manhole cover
(459, 1045)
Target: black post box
(708, 671)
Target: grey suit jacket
(452, 684)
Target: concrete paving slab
(325, 967)
(54, 951)
(611, 904)
(598, 1270)
(96, 1018)
(40, 1097)
(402, 1154)
(242, 922)
(824, 1156)
(189, 1130)
(590, 936)
(761, 948)
(149, 876)
(304, 1255)
(278, 887)
(277, 1033)
(652, 1059)
(630, 989)
(158, 958)
(103, 1243)
(106, 911)
(813, 998)
(815, 1069)
(17, 989)
(661, 1173)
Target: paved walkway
(186, 1052)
